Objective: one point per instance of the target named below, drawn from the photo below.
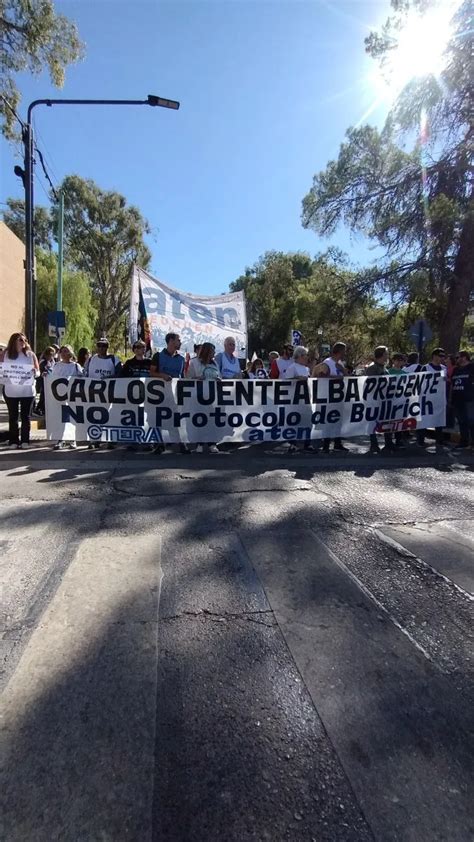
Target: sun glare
(420, 46)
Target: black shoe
(184, 448)
(325, 448)
(341, 447)
(159, 448)
(389, 448)
(374, 448)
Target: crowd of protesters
(206, 364)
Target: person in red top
(279, 366)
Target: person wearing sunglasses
(19, 388)
(102, 365)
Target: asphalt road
(248, 646)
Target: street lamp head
(164, 103)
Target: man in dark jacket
(462, 398)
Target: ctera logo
(400, 426)
(124, 435)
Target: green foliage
(319, 298)
(103, 238)
(81, 314)
(270, 288)
(418, 205)
(32, 38)
(14, 217)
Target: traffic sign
(420, 333)
(57, 323)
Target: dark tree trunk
(461, 290)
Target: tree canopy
(104, 236)
(418, 203)
(33, 38)
(317, 297)
(14, 217)
(81, 313)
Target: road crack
(223, 616)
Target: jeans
(19, 407)
(465, 415)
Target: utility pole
(30, 274)
(28, 141)
(59, 301)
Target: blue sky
(267, 90)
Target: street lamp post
(28, 142)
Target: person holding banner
(138, 365)
(67, 366)
(227, 362)
(279, 365)
(20, 368)
(168, 363)
(298, 368)
(204, 367)
(257, 370)
(332, 367)
(379, 369)
(102, 365)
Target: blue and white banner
(136, 410)
(157, 309)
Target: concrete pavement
(306, 679)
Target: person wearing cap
(138, 365)
(279, 364)
(102, 365)
(436, 364)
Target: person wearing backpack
(102, 365)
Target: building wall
(12, 283)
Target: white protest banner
(17, 373)
(157, 309)
(133, 410)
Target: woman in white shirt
(257, 370)
(298, 368)
(204, 367)
(19, 387)
(66, 367)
